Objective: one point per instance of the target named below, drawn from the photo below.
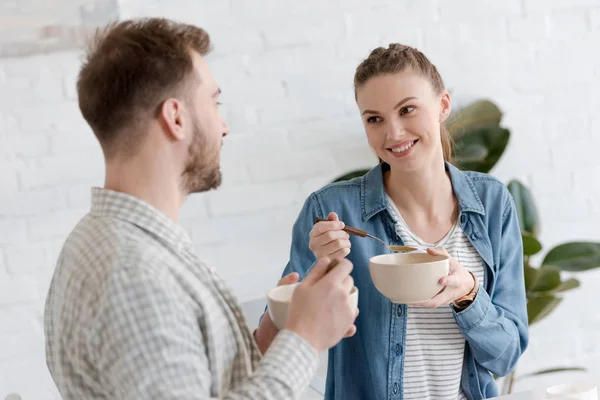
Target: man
(132, 313)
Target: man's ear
(171, 116)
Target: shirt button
(395, 388)
(397, 349)
(463, 218)
(399, 310)
(474, 236)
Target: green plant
(545, 285)
(479, 142)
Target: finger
(351, 332)
(348, 284)
(432, 252)
(440, 251)
(327, 238)
(451, 281)
(430, 304)
(318, 271)
(342, 253)
(323, 226)
(340, 271)
(436, 300)
(454, 265)
(333, 217)
(289, 279)
(441, 299)
(336, 245)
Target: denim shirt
(370, 364)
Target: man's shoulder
(98, 247)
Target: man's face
(201, 169)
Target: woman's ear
(445, 106)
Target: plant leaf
(539, 307)
(351, 175)
(472, 153)
(552, 371)
(548, 278)
(530, 277)
(474, 116)
(531, 245)
(574, 256)
(569, 284)
(492, 137)
(526, 209)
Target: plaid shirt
(133, 313)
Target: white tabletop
(539, 394)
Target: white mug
(573, 391)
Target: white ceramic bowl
(278, 302)
(408, 278)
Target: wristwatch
(465, 301)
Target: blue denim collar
(373, 199)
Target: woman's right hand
(327, 239)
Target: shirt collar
(373, 196)
(112, 204)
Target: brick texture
(286, 71)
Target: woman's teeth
(403, 148)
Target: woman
(449, 347)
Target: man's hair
(130, 69)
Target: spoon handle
(348, 229)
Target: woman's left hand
(459, 282)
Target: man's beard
(202, 170)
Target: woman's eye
(373, 120)
(407, 110)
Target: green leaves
(493, 139)
(473, 117)
(479, 141)
(530, 277)
(569, 284)
(540, 307)
(526, 209)
(546, 278)
(544, 285)
(351, 175)
(531, 245)
(574, 256)
(552, 371)
(473, 153)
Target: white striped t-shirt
(434, 348)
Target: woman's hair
(397, 58)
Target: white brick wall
(286, 71)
